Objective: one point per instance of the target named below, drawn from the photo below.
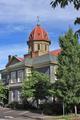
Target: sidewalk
(33, 115)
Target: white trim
(18, 95)
(13, 77)
(20, 76)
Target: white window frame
(55, 68)
(13, 79)
(12, 96)
(18, 95)
(20, 77)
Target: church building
(38, 57)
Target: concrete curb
(35, 117)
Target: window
(13, 95)
(45, 47)
(28, 73)
(45, 35)
(55, 69)
(35, 47)
(38, 46)
(13, 77)
(8, 77)
(20, 75)
(38, 34)
(18, 95)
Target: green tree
(64, 3)
(67, 88)
(42, 87)
(3, 91)
(36, 86)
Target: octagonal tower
(38, 41)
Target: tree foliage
(64, 3)
(36, 86)
(67, 88)
(27, 88)
(42, 89)
(3, 91)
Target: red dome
(38, 33)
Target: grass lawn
(66, 117)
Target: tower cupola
(38, 41)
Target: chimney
(9, 57)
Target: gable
(14, 60)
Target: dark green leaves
(64, 3)
(68, 86)
(3, 91)
(37, 86)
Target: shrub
(51, 108)
(13, 105)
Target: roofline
(39, 41)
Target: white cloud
(12, 49)
(27, 10)
(11, 28)
(15, 49)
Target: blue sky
(19, 17)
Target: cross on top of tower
(38, 20)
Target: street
(8, 114)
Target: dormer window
(45, 35)
(38, 34)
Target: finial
(38, 20)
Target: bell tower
(38, 42)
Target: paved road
(8, 114)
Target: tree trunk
(75, 108)
(63, 109)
